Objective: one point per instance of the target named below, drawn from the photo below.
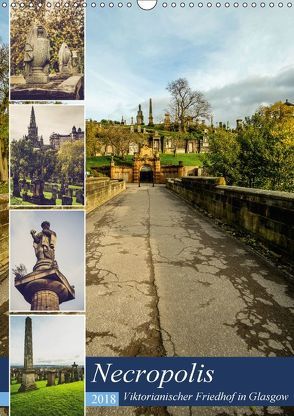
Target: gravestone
(67, 377)
(50, 378)
(16, 187)
(61, 377)
(66, 200)
(65, 58)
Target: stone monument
(37, 82)
(46, 287)
(28, 375)
(65, 58)
(37, 56)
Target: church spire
(33, 129)
(33, 118)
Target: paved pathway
(163, 280)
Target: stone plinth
(28, 381)
(59, 87)
(45, 289)
(50, 378)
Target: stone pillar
(28, 375)
(181, 170)
(112, 168)
(156, 171)
(45, 300)
(50, 378)
(136, 172)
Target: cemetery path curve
(162, 279)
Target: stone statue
(64, 56)
(44, 245)
(37, 56)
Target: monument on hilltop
(140, 117)
(28, 375)
(150, 118)
(46, 287)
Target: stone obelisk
(150, 113)
(28, 375)
(46, 287)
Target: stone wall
(176, 171)
(122, 172)
(166, 171)
(4, 216)
(267, 215)
(102, 189)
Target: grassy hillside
(60, 400)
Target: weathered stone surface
(101, 190)
(56, 89)
(37, 56)
(51, 378)
(33, 284)
(265, 214)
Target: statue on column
(44, 244)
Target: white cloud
(139, 53)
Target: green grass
(188, 159)
(60, 400)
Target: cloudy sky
(57, 340)
(240, 58)
(50, 119)
(69, 227)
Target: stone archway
(146, 174)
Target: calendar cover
(147, 189)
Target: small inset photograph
(47, 365)
(47, 266)
(47, 51)
(46, 155)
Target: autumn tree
(186, 104)
(71, 160)
(224, 153)
(260, 154)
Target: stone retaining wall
(102, 189)
(4, 217)
(267, 215)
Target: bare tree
(186, 104)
